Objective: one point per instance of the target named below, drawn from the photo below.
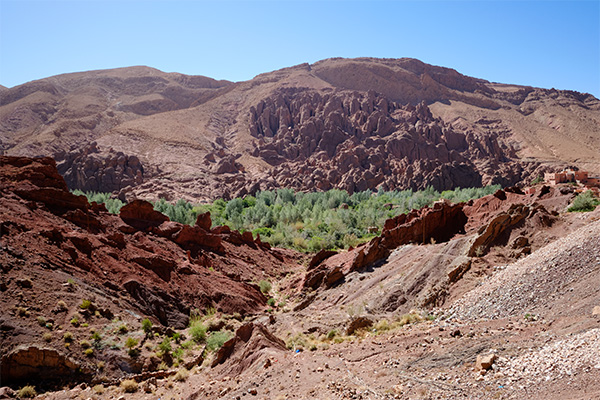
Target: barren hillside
(344, 123)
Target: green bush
(85, 304)
(165, 346)
(265, 286)
(130, 343)
(147, 326)
(217, 339)
(584, 202)
(197, 331)
(26, 392)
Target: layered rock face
(91, 170)
(357, 141)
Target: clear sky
(539, 43)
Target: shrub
(130, 343)
(165, 346)
(178, 353)
(197, 331)
(68, 337)
(181, 375)
(271, 302)
(75, 320)
(85, 344)
(122, 329)
(187, 344)
(265, 286)
(129, 386)
(409, 319)
(41, 321)
(217, 339)
(88, 352)
(331, 334)
(147, 326)
(26, 392)
(584, 202)
(47, 337)
(85, 304)
(96, 336)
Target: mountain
(353, 124)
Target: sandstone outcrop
(44, 363)
(92, 170)
(251, 344)
(141, 215)
(499, 228)
(436, 224)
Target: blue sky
(539, 43)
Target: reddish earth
(352, 124)
(138, 263)
(495, 298)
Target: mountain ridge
(157, 117)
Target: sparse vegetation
(85, 304)
(181, 375)
(75, 320)
(197, 330)
(96, 336)
(61, 306)
(129, 386)
(216, 340)
(265, 286)
(164, 347)
(147, 326)
(22, 312)
(26, 392)
(584, 202)
(130, 343)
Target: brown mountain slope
(344, 123)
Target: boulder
(189, 237)
(252, 344)
(485, 362)
(321, 256)
(141, 215)
(30, 363)
(358, 323)
(204, 221)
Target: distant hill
(354, 124)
